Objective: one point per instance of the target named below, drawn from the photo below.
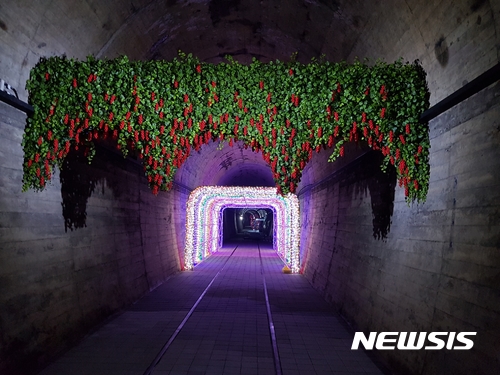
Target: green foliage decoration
(286, 110)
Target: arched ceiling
(218, 164)
(211, 29)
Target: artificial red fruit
(330, 141)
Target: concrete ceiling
(219, 164)
(211, 29)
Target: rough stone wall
(56, 284)
(439, 267)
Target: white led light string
(203, 221)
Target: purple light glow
(204, 220)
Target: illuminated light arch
(204, 220)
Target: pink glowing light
(204, 220)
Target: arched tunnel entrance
(248, 224)
(256, 213)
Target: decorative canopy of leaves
(285, 110)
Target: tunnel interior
(247, 224)
(216, 214)
(96, 240)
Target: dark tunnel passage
(247, 225)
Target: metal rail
(165, 347)
(16, 103)
(272, 332)
(473, 87)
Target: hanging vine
(285, 110)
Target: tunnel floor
(183, 327)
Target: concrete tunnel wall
(437, 269)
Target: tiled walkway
(228, 332)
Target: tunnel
(98, 275)
(248, 223)
(216, 215)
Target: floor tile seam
(165, 347)
(175, 293)
(276, 356)
(280, 275)
(264, 312)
